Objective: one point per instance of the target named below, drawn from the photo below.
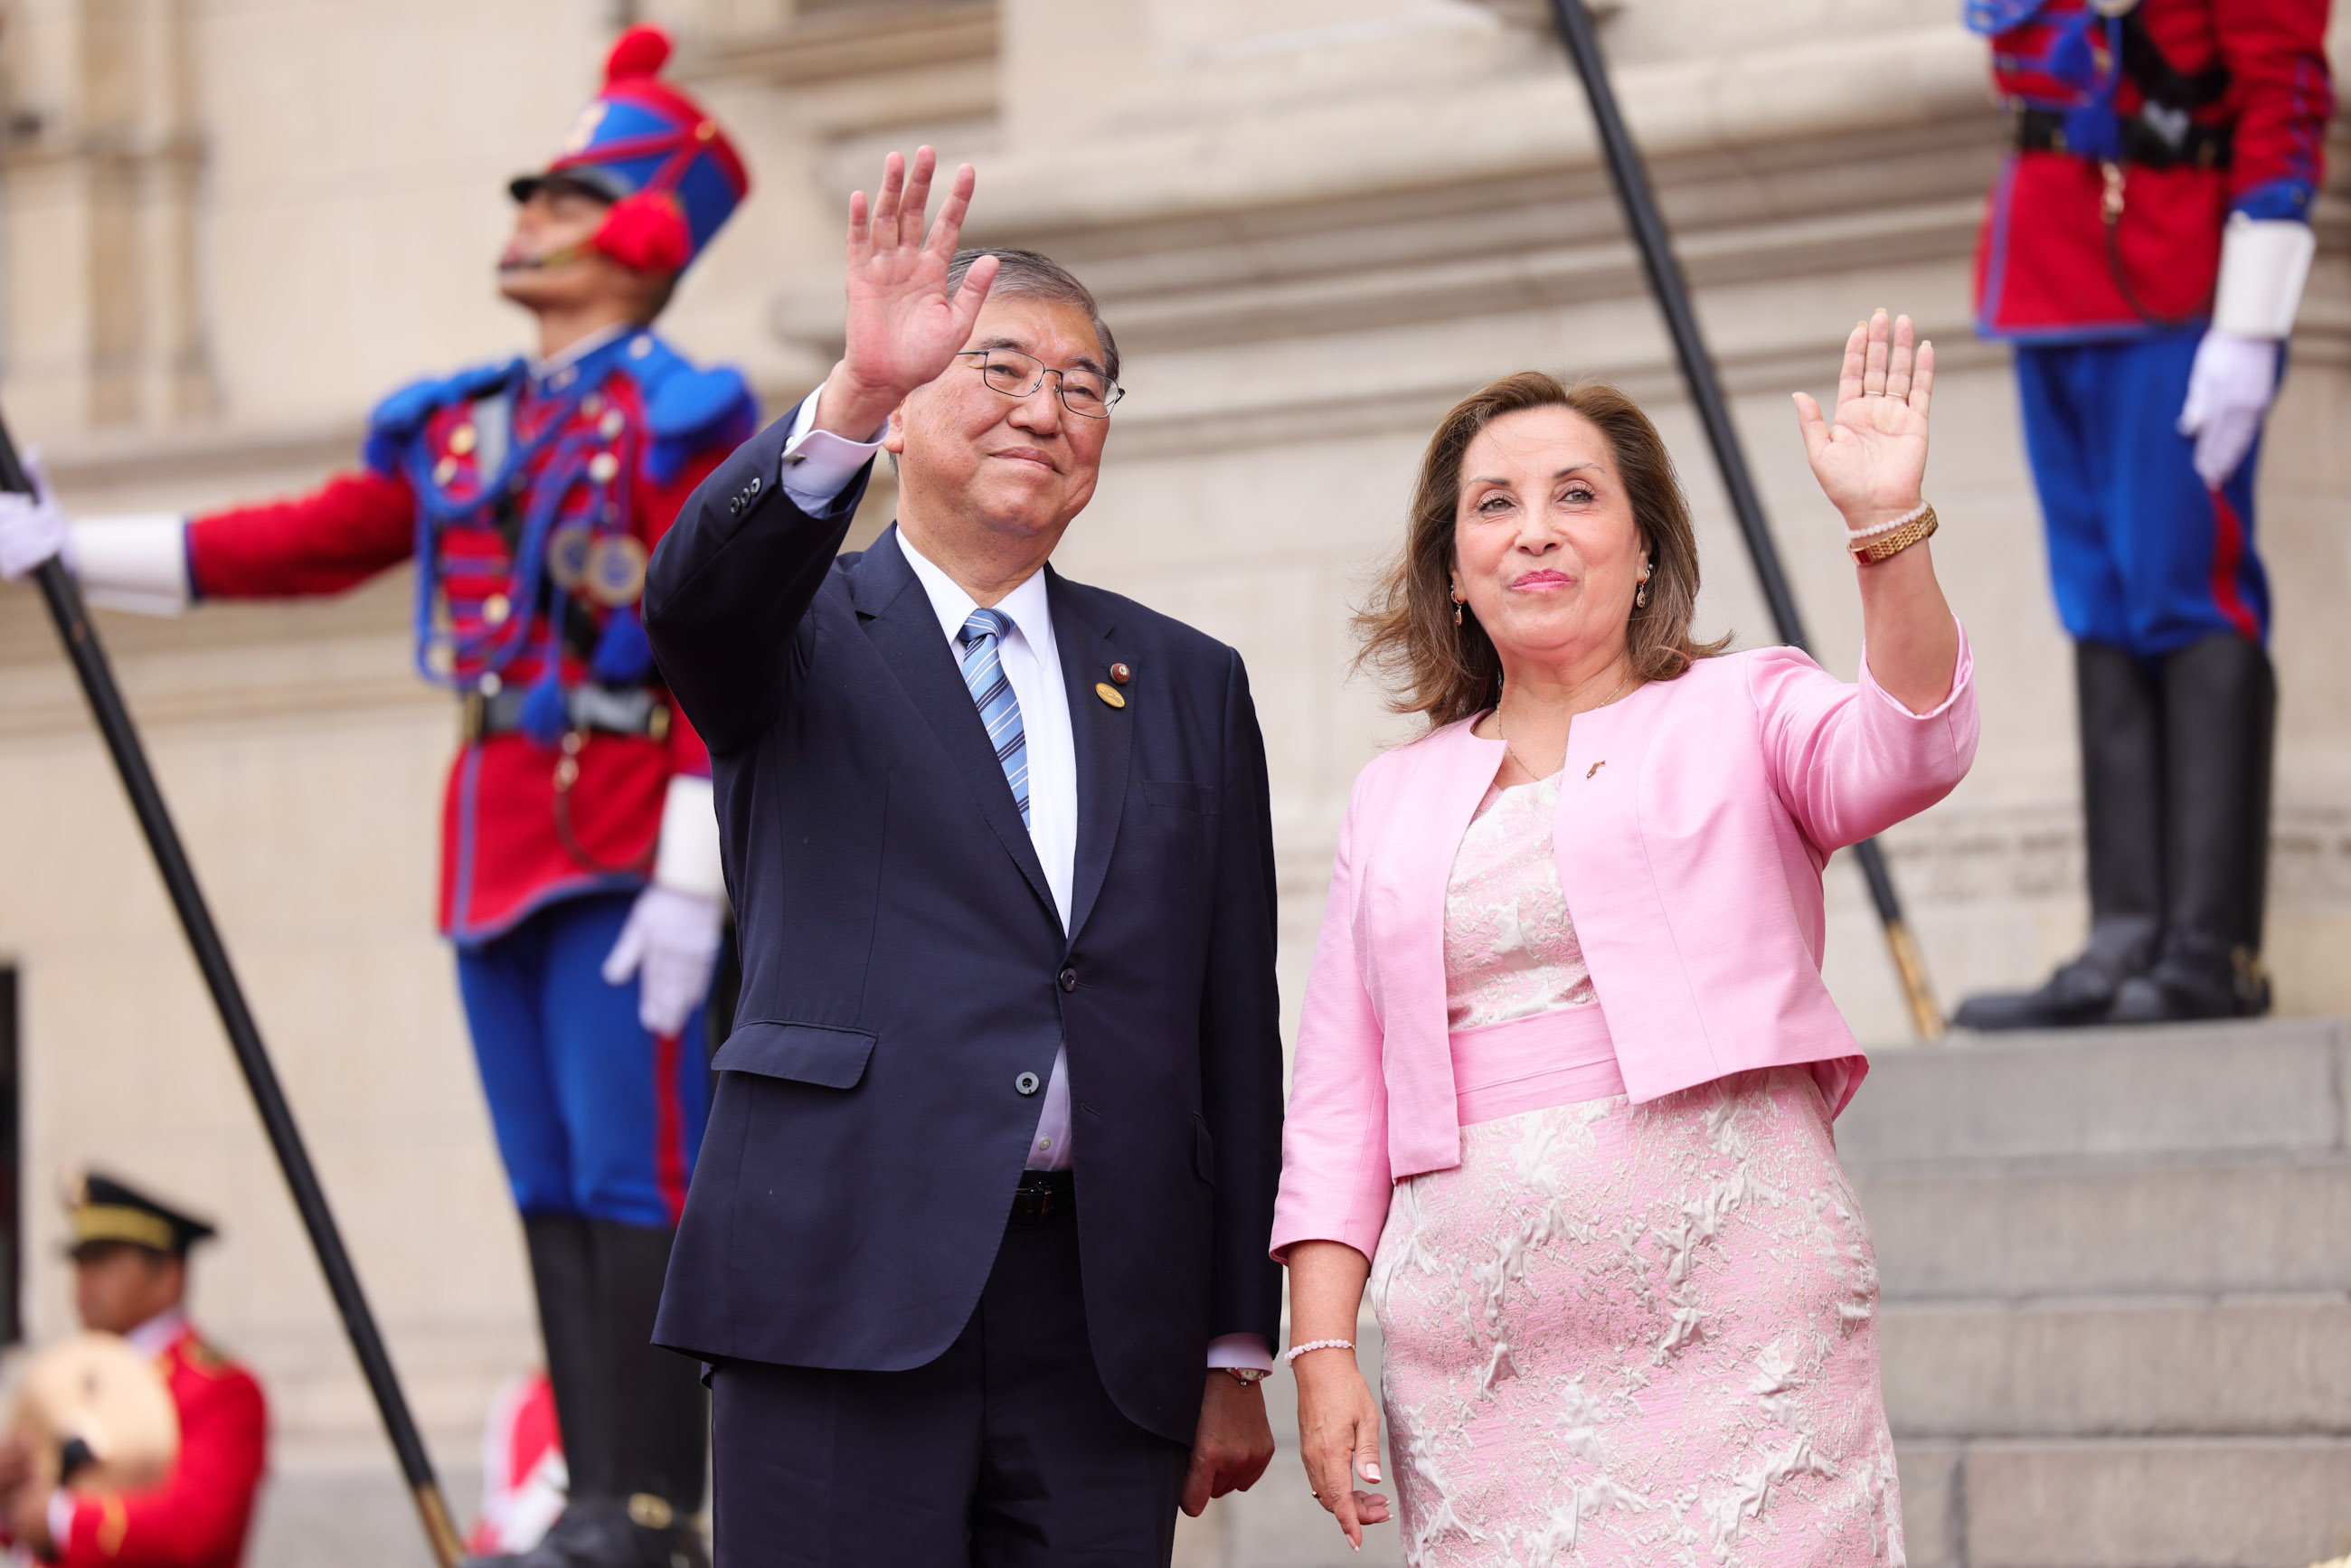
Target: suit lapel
(897, 615)
(1103, 736)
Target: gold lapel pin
(1596, 767)
(1110, 693)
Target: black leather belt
(2192, 146)
(1045, 1197)
(637, 711)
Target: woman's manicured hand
(1339, 1438)
(1872, 461)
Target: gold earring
(1641, 594)
(1459, 600)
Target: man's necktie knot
(984, 623)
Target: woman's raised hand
(904, 328)
(1872, 461)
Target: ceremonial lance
(106, 705)
(1639, 201)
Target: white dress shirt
(817, 466)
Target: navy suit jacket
(903, 965)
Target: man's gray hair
(1025, 275)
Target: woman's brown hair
(1450, 671)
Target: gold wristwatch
(1884, 547)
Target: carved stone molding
(829, 43)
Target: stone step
(2214, 1503)
(2130, 1367)
(2185, 1089)
(2243, 1224)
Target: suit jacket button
(1069, 980)
(1026, 1084)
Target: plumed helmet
(668, 170)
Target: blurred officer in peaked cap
(580, 870)
(2145, 250)
(129, 1254)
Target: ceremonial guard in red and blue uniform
(580, 875)
(2145, 250)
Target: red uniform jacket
(2043, 271)
(537, 505)
(198, 1517)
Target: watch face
(1248, 1373)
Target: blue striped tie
(991, 693)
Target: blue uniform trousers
(2141, 555)
(595, 1117)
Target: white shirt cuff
(687, 860)
(1241, 1350)
(818, 465)
(139, 564)
(2265, 261)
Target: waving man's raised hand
(904, 326)
(1873, 460)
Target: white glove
(2229, 390)
(671, 943)
(32, 527)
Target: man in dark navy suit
(976, 1248)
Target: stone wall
(226, 228)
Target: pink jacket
(1696, 818)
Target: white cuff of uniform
(818, 465)
(139, 564)
(688, 859)
(2265, 261)
(62, 1512)
(1241, 1350)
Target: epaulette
(201, 1356)
(395, 420)
(689, 411)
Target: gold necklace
(1622, 687)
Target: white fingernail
(1372, 1473)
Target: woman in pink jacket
(1567, 1068)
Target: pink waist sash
(1531, 1064)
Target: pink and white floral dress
(1620, 1334)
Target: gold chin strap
(554, 258)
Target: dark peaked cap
(100, 1208)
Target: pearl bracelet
(1295, 1351)
(1856, 536)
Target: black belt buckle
(1042, 1196)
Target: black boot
(2220, 700)
(563, 1275)
(638, 1470)
(660, 1439)
(2122, 726)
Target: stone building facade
(226, 228)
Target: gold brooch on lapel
(1110, 693)
(1596, 767)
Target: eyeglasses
(1089, 394)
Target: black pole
(1639, 201)
(105, 705)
